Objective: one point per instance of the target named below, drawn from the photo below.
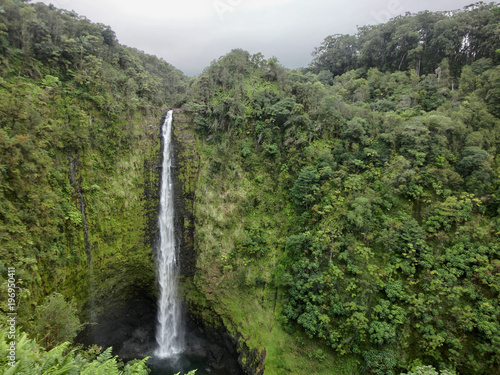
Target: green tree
(337, 54)
(306, 187)
(427, 370)
(56, 321)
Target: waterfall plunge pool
(207, 353)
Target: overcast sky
(189, 34)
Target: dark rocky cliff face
(218, 345)
(187, 164)
(121, 304)
(202, 311)
(126, 317)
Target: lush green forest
(357, 201)
(79, 115)
(347, 214)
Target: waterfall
(169, 335)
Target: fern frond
(54, 357)
(105, 355)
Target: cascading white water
(169, 335)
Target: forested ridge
(347, 213)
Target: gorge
(338, 218)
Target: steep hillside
(349, 223)
(341, 218)
(80, 119)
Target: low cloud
(190, 34)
